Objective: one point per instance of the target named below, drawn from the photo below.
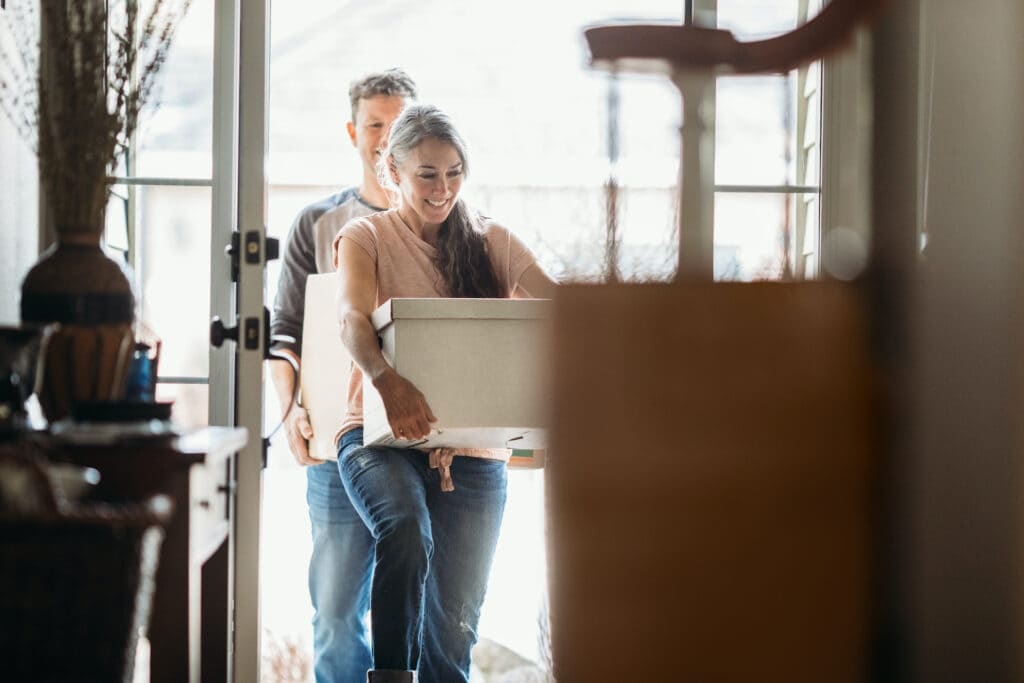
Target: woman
(434, 516)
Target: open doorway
(515, 78)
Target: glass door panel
(173, 256)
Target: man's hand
(296, 421)
(299, 432)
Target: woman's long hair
(462, 256)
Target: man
(342, 559)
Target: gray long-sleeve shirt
(308, 250)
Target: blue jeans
(432, 553)
(339, 579)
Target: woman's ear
(393, 169)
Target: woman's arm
(535, 284)
(407, 410)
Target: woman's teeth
(437, 204)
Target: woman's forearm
(359, 337)
(406, 408)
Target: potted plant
(81, 75)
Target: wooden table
(189, 629)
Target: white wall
(961, 537)
(972, 346)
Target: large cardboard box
(483, 365)
(715, 497)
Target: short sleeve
(510, 257)
(520, 259)
(362, 233)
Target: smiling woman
(434, 534)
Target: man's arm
(296, 420)
(297, 264)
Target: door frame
(241, 49)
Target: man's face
(369, 131)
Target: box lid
(478, 309)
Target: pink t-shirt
(406, 268)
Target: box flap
(477, 309)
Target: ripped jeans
(432, 553)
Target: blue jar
(140, 376)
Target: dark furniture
(76, 580)
(190, 623)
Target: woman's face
(429, 180)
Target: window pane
(756, 237)
(115, 233)
(535, 120)
(564, 226)
(174, 139)
(650, 113)
(173, 259)
(757, 19)
(599, 11)
(811, 234)
(648, 241)
(754, 139)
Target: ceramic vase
(85, 355)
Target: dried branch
(84, 70)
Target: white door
(239, 210)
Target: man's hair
(390, 82)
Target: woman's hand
(406, 407)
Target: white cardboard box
(483, 365)
(326, 365)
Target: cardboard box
(716, 496)
(528, 459)
(483, 365)
(326, 365)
